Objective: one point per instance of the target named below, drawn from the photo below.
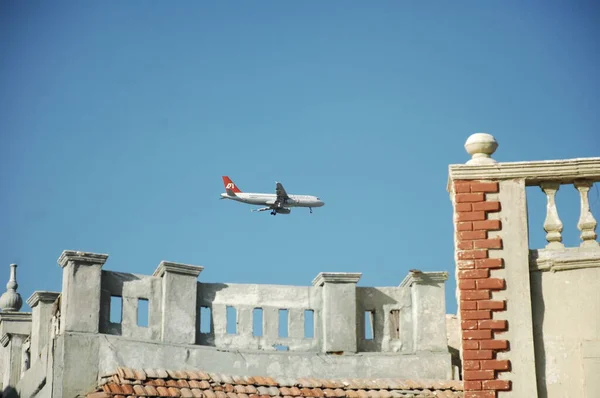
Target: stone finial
(481, 146)
(11, 300)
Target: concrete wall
(419, 330)
(566, 324)
(244, 299)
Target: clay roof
(131, 383)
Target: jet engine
(283, 210)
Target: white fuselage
(268, 199)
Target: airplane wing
(282, 196)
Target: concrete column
(15, 327)
(518, 313)
(428, 298)
(81, 286)
(179, 312)
(41, 304)
(339, 310)
(12, 351)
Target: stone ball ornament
(481, 146)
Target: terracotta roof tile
(135, 383)
(197, 393)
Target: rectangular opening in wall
(369, 323)
(309, 324)
(231, 320)
(116, 309)
(142, 312)
(281, 347)
(283, 323)
(257, 322)
(205, 319)
(395, 324)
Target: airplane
(279, 202)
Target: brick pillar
(481, 330)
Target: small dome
(11, 300)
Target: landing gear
(274, 213)
(310, 208)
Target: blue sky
(117, 120)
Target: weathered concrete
(12, 355)
(178, 301)
(41, 319)
(115, 351)
(566, 319)
(15, 327)
(33, 382)
(131, 288)
(270, 298)
(80, 304)
(339, 310)
(75, 364)
(381, 301)
(428, 307)
(70, 354)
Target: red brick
(489, 263)
(472, 365)
(471, 216)
(469, 197)
(499, 345)
(495, 243)
(491, 305)
(488, 225)
(496, 385)
(472, 254)
(490, 283)
(465, 264)
(462, 187)
(460, 207)
(476, 315)
(480, 394)
(465, 245)
(472, 385)
(496, 324)
(468, 325)
(471, 235)
(478, 375)
(495, 364)
(477, 335)
(471, 345)
(477, 354)
(473, 274)
(475, 295)
(490, 187)
(468, 305)
(486, 206)
(464, 226)
(466, 284)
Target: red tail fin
(229, 185)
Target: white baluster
(552, 224)
(587, 223)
